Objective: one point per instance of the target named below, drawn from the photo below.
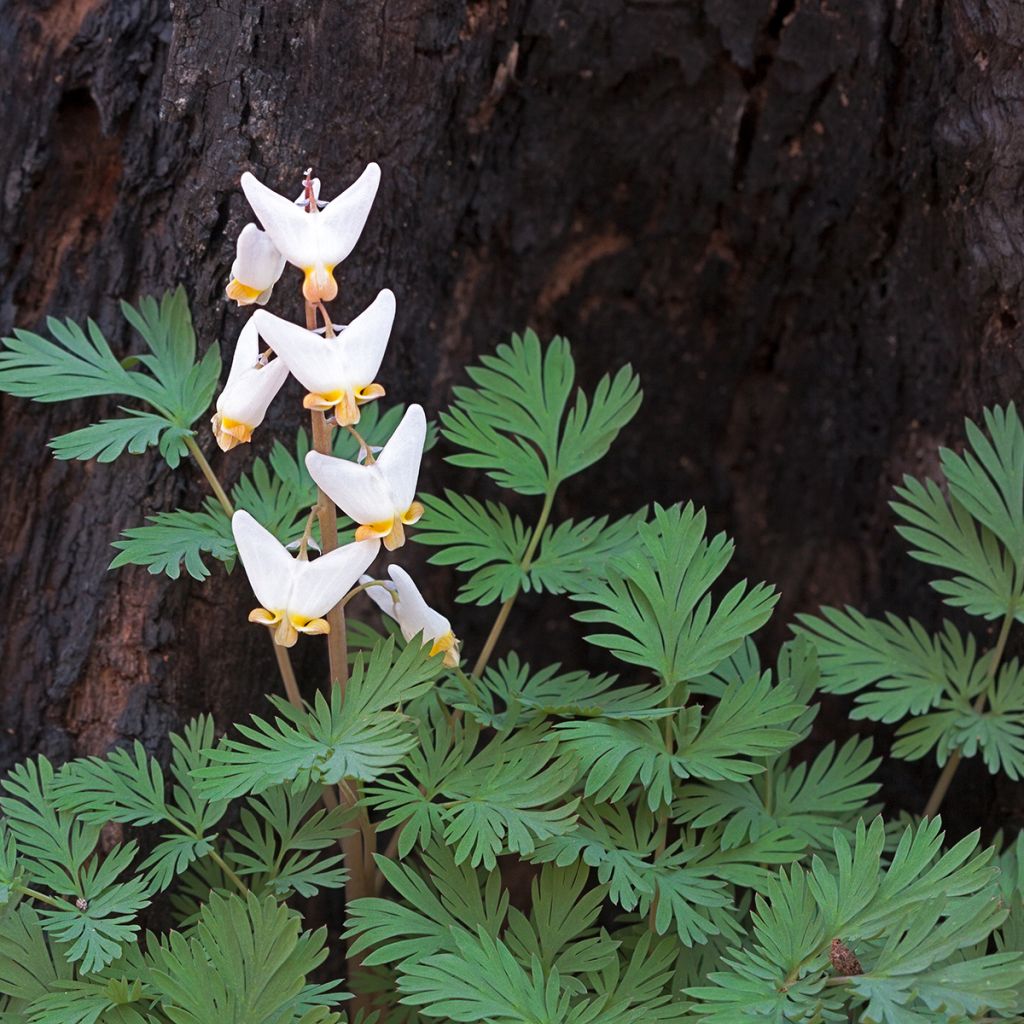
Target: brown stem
(946, 777)
(337, 645)
(357, 848)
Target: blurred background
(800, 220)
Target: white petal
(359, 491)
(413, 613)
(319, 585)
(247, 395)
(317, 363)
(287, 225)
(364, 341)
(400, 459)
(247, 350)
(343, 218)
(267, 564)
(381, 594)
(258, 263)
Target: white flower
(315, 241)
(338, 372)
(402, 600)
(378, 496)
(257, 267)
(252, 384)
(295, 594)
(258, 264)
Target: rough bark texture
(799, 219)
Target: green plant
(686, 863)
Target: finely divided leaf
(656, 597)
(516, 423)
(361, 738)
(171, 539)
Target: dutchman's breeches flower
(314, 240)
(402, 600)
(257, 267)
(378, 496)
(338, 372)
(252, 384)
(296, 594)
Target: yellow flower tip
(450, 646)
(413, 514)
(395, 537)
(374, 531)
(317, 402)
(319, 285)
(229, 432)
(243, 294)
(313, 627)
(346, 410)
(264, 617)
(369, 393)
(285, 634)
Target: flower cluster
(337, 365)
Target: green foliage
(655, 596)
(486, 540)
(517, 424)
(685, 862)
(81, 364)
(173, 539)
(282, 840)
(359, 738)
(905, 921)
(248, 960)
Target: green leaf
(745, 724)
(126, 787)
(432, 909)
(174, 538)
(996, 731)
(988, 479)
(896, 668)
(516, 424)
(617, 841)
(656, 598)
(360, 738)
(29, 966)
(80, 364)
(97, 934)
(280, 843)
(560, 929)
(985, 580)
(11, 874)
(73, 365)
(526, 695)
(94, 1001)
(483, 539)
(496, 800)
(573, 553)
(483, 981)
(186, 388)
(907, 915)
(807, 801)
(54, 846)
(246, 960)
(137, 431)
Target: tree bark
(799, 219)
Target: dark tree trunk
(799, 219)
